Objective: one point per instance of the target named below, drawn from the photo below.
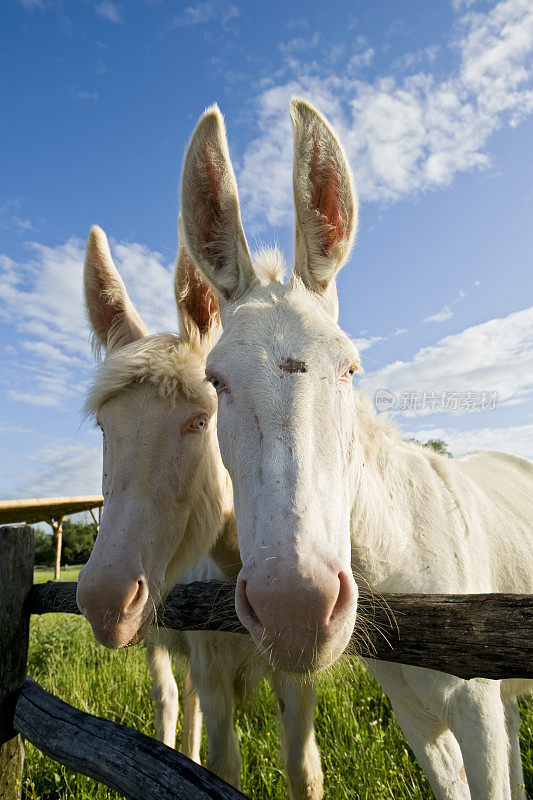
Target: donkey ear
(210, 210)
(197, 301)
(325, 202)
(113, 317)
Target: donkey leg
(512, 719)
(297, 703)
(213, 675)
(433, 744)
(473, 711)
(164, 692)
(437, 751)
(192, 721)
(476, 716)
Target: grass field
(364, 754)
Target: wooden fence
(489, 635)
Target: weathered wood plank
(11, 764)
(480, 635)
(41, 509)
(51, 597)
(135, 765)
(16, 577)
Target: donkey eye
(217, 383)
(197, 424)
(350, 372)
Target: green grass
(365, 756)
(43, 574)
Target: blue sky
(434, 105)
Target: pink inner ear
(325, 198)
(201, 302)
(211, 218)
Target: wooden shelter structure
(52, 510)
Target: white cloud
(402, 135)
(205, 12)
(58, 470)
(149, 280)
(31, 5)
(299, 44)
(43, 303)
(441, 316)
(363, 59)
(365, 342)
(415, 57)
(516, 439)
(110, 11)
(10, 220)
(459, 5)
(7, 430)
(400, 331)
(495, 356)
(83, 94)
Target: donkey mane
(376, 432)
(172, 365)
(269, 264)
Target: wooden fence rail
(123, 759)
(468, 635)
(483, 635)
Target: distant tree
(438, 445)
(78, 542)
(44, 548)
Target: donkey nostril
(250, 608)
(138, 597)
(341, 601)
(246, 608)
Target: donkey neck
(211, 524)
(379, 524)
(386, 546)
(225, 552)
(411, 520)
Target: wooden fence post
(16, 578)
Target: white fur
(314, 470)
(168, 501)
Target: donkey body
(327, 495)
(168, 503)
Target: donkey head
(163, 480)
(283, 373)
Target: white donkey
(324, 489)
(168, 501)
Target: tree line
(78, 542)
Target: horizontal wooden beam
(468, 635)
(135, 765)
(42, 509)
